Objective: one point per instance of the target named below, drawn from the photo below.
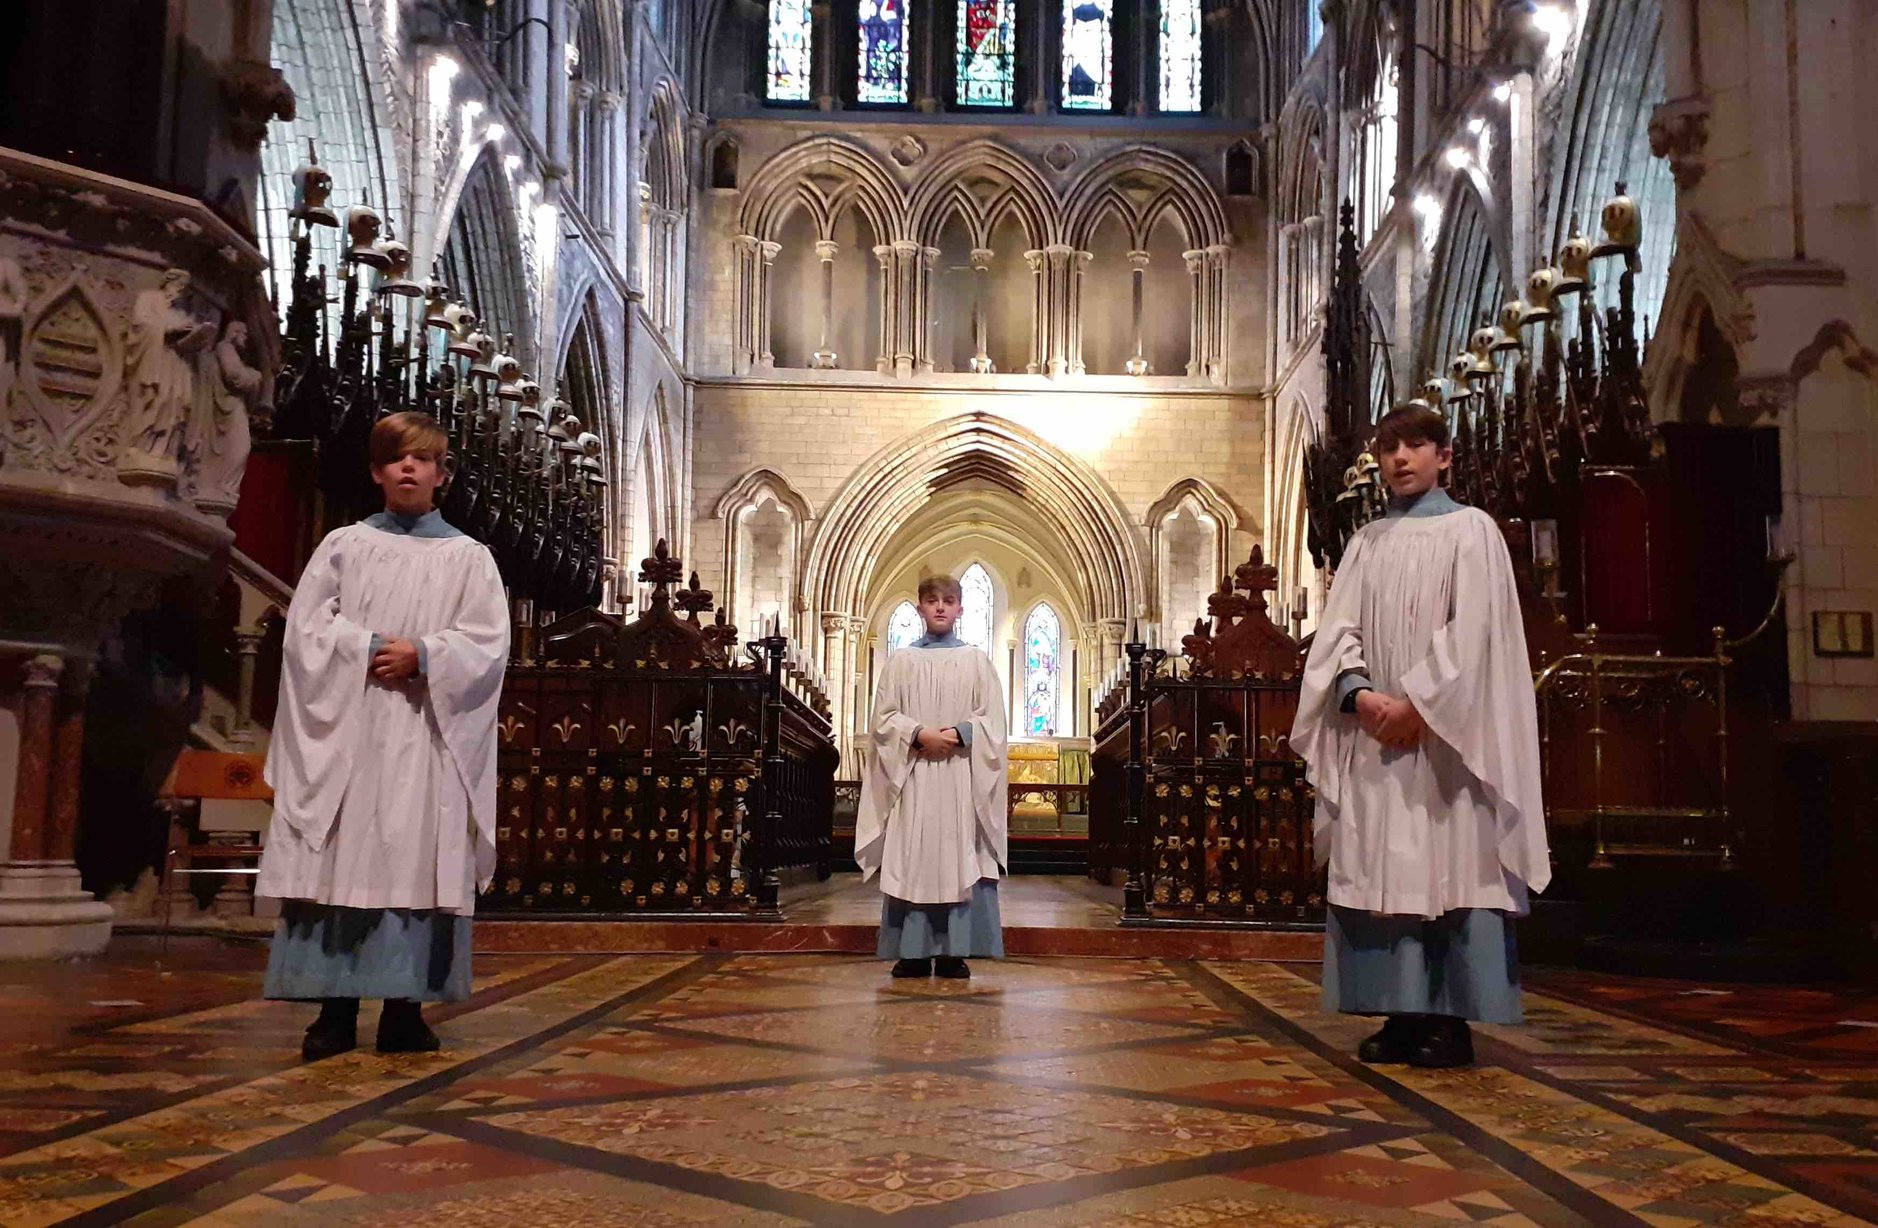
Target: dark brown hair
(410, 431)
(938, 586)
(1411, 424)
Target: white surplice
(385, 795)
(932, 828)
(1426, 608)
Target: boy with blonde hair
(932, 813)
(383, 757)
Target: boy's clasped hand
(936, 743)
(396, 661)
(1393, 722)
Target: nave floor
(679, 1089)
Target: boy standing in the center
(932, 813)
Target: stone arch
(831, 175)
(1287, 529)
(1209, 504)
(1702, 277)
(1603, 137)
(481, 253)
(1071, 499)
(342, 103)
(1176, 184)
(1018, 188)
(733, 507)
(1472, 273)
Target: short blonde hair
(396, 434)
(938, 586)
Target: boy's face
(940, 610)
(1413, 469)
(410, 482)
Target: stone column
(1138, 261)
(44, 912)
(860, 703)
(981, 274)
(909, 267)
(833, 653)
(922, 302)
(824, 358)
(889, 308)
(1056, 336)
(1217, 257)
(1114, 633)
(248, 649)
(755, 257)
(603, 132)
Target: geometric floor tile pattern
(812, 1090)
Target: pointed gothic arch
(1070, 499)
(1472, 273)
(481, 257)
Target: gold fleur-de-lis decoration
(734, 731)
(509, 727)
(567, 727)
(1221, 740)
(620, 730)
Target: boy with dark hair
(1418, 722)
(383, 758)
(931, 821)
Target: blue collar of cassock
(1434, 501)
(425, 524)
(949, 640)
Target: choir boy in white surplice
(383, 758)
(1418, 724)
(931, 820)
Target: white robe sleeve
(1475, 691)
(990, 767)
(465, 663)
(1322, 735)
(325, 663)
(887, 768)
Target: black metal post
(767, 887)
(1134, 894)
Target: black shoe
(336, 1031)
(1445, 1043)
(952, 968)
(909, 969)
(1392, 1045)
(401, 1029)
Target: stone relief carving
(12, 321)
(228, 393)
(64, 380)
(160, 347)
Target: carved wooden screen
(632, 762)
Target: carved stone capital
(981, 258)
(42, 672)
(1679, 133)
(834, 624)
(254, 94)
(825, 249)
(1138, 260)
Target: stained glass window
(1043, 642)
(1088, 39)
(790, 34)
(883, 51)
(1180, 55)
(987, 53)
(975, 606)
(904, 626)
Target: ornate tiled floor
(791, 1090)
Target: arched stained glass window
(790, 34)
(883, 51)
(904, 626)
(987, 73)
(976, 603)
(1043, 671)
(1088, 50)
(1180, 55)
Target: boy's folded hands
(1393, 722)
(936, 743)
(396, 661)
